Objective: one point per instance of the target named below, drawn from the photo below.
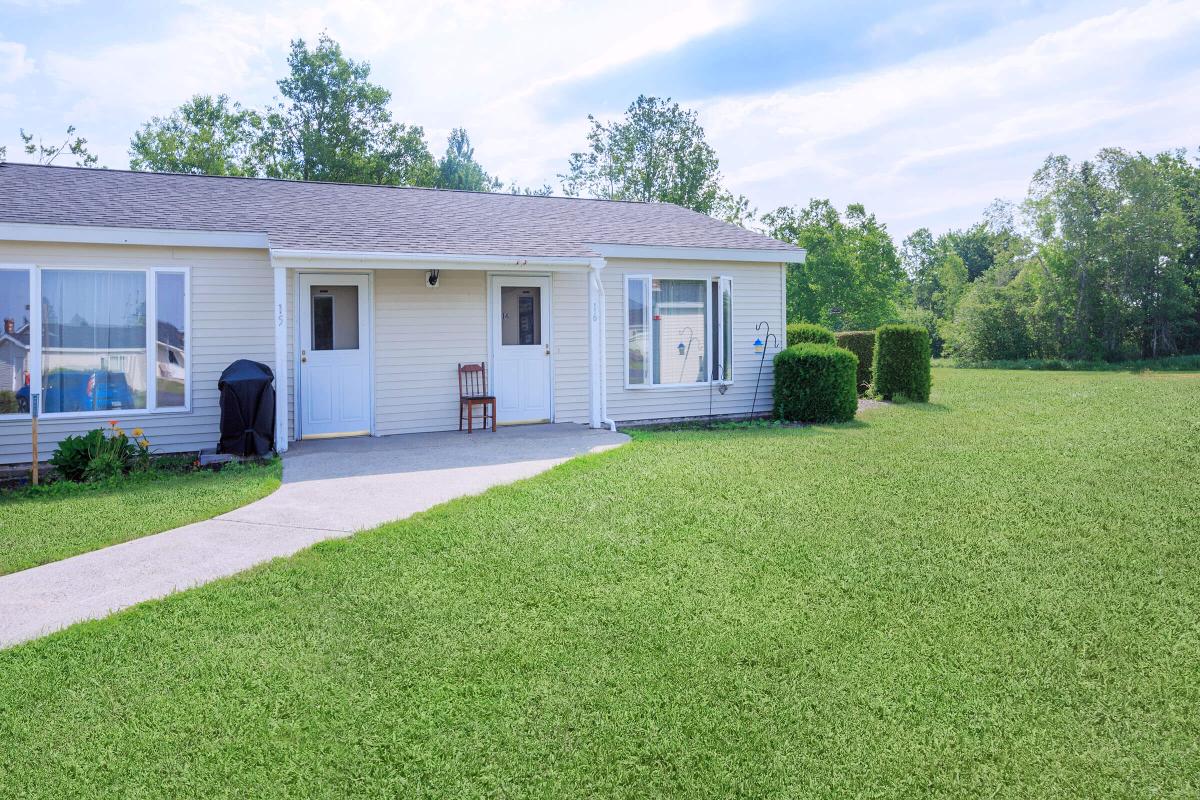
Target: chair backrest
(472, 380)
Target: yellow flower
(137, 431)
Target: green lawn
(40, 526)
(997, 593)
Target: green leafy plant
(8, 402)
(901, 366)
(816, 383)
(862, 344)
(101, 453)
(801, 332)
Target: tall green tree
(656, 153)
(851, 277)
(333, 124)
(205, 136)
(458, 169)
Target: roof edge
(411, 260)
(99, 234)
(791, 255)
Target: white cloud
(942, 135)
(14, 62)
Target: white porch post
(281, 365)
(596, 355)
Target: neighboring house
(364, 300)
(14, 356)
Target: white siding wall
(231, 301)
(421, 335)
(569, 307)
(757, 295)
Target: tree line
(1100, 261)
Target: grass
(44, 524)
(1165, 364)
(996, 593)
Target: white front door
(335, 355)
(520, 335)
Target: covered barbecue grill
(247, 409)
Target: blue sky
(923, 111)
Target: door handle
(303, 356)
(547, 349)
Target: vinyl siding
(421, 335)
(758, 295)
(231, 301)
(569, 307)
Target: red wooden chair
(472, 392)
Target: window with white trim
(678, 331)
(96, 341)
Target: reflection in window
(679, 316)
(93, 340)
(169, 368)
(520, 315)
(334, 317)
(14, 341)
(636, 331)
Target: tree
(334, 125)
(47, 154)
(204, 136)
(656, 154)
(544, 191)
(851, 277)
(458, 169)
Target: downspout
(598, 321)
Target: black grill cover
(247, 409)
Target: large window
(678, 331)
(99, 340)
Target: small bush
(815, 383)
(801, 332)
(9, 403)
(901, 366)
(101, 453)
(862, 344)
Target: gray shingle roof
(335, 216)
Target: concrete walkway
(331, 488)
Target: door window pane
(334, 317)
(93, 340)
(14, 341)
(679, 316)
(170, 369)
(637, 325)
(520, 315)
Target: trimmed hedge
(902, 362)
(862, 344)
(815, 383)
(801, 332)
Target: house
(364, 299)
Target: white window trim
(149, 273)
(709, 325)
(35, 328)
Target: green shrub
(9, 403)
(901, 366)
(862, 344)
(801, 332)
(99, 454)
(815, 383)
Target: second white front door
(335, 355)
(521, 374)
